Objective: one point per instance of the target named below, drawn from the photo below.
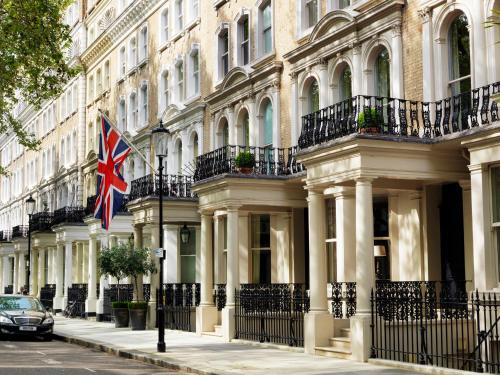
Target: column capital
(364, 180)
(425, 14)
(206, 213)
(415, 195)
(465, 184)
(477, 168)
(232, 208)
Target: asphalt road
(21, 356)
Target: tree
(139, 262)
(33, 66)
(113, 262)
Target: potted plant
(245, 161)
(112, 262)
(369, 121)
(139, 262)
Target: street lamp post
(159, 135)
(30, 208)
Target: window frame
(243, 44)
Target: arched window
(345, 84)
(122, 115)
(195, 146)
(268, 125)
(313, 97)
(164, 26)
(383, 74)
(123, 61)
(245, 130)
(459, 56)
(132, 53)
(165, 94)
(225, 134)
(179, 157)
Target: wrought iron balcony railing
(399, 117)
(90, 207)
(174, 186)
(19, 231)
(267, 161)
(42, 221)
(69, 215)
(5, 235)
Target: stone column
(232, 273)
(357, 71)
(59, 274)
(427, 54)
(85, 261)
(231, 126)
(275, 93)
(219, 264)
(2, 278)
(318, 323)
(397, 89)
(138, 290)
(484, 257)
(252, 122)
(105, 241)
(6, 277)
(478, 35)
(22, 270)
(206, 313)
(68, 270)
(172, 263)
(154, 282)
(41, 271)
(244, 248)
(323, 76)
(345, 216)
(15, 283)
(34, 273)
(53, 270)
(365, 270)
(468, 244)
(294, 115)
(82, 279)
(91, 276)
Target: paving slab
(207, 354)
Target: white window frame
(143, 44)
(98, 82)
(123, 61)
(107, 75)
(180, 80)
(223, 32)
(240, 41)
(194, 82)
(132, 53)
(132, 110)
(122, 113)
(164, 26)
(143, 104)
(260, 29)
(179, 15)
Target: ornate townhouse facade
(374, 138)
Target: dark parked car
(24, 315)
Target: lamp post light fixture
(30, 209)
(159, 138)
(185, 234)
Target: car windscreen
(20, 303)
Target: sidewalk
(206, 355)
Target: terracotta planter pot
(138, 319)
(121, 317)
(245, 170)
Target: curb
(152, 359)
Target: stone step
(213, 334)
(328, 351)
(345, 332)
(340, 343)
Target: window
(179, 15)
(98, 82)
(188, 258)
(180, 81)
(164, 26)
(225, 134)
(179, 158)
(194, 8)
(132, 53)
(106, 75)
(267, 32)
(63, 153)
(495, 195)
(268, 125)
(459, 56)
(195, 72)
(123, 62)
(223, 52)
(243, 41)
(261, 249)
(122, 115)
(383, 74)
(345, 84)
(90, 138)
(133, 111)
(69, 101)
(164, 84)
(143, 52)
(344, 4)
(69, 147)
(144, 104)
(195, 147)
(245, 131)
(75, 101)
(313, 96)
(311, 13)
(91, 88)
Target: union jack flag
(110, 183)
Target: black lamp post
(30, 209)
(159, 138)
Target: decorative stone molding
(396, 30)
(425, 14)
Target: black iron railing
(115, 293)
(19, 231)
(69, 215)
(47, 294)
(174, 186)
(271, 313)
(220, 296)
(180, 303)
(90, 207)
(6, 235)
(400, 117)
(9, 289)
(343, 299)
(42, 221)
(435, 323)
(268, 161)
(77, 293)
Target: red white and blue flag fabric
(111, 185)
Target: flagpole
(128, 141)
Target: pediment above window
(331, 23)
(233, 77)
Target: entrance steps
(340, 347)
(217, 332)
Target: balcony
(174, 186)
(19, 231)
(267, 161)
(90, 207)
(42, 221)
(69, 215)
(5, 235)
(400, 118)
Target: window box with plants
(245, 162)
(369, 121)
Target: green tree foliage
(139, 262)
(33, 67)
(113, 261)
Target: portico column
(53, 269)
(154, 282)
(173, 259)
(15, 283)
(345, 212)
(34, 273)
(357, 71)
(206, 313)
(252, 123)
(90, 303)
(41, 271)
(138, 290)
(6, 273)
(219, 265)
(2, 279)
(323, 76)
(68, 270)
(22, 270)
(59, 263)
(231, 126)
(85, 261)
(468, 244)
(232, 272)
(365, 270)
(105, 241)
